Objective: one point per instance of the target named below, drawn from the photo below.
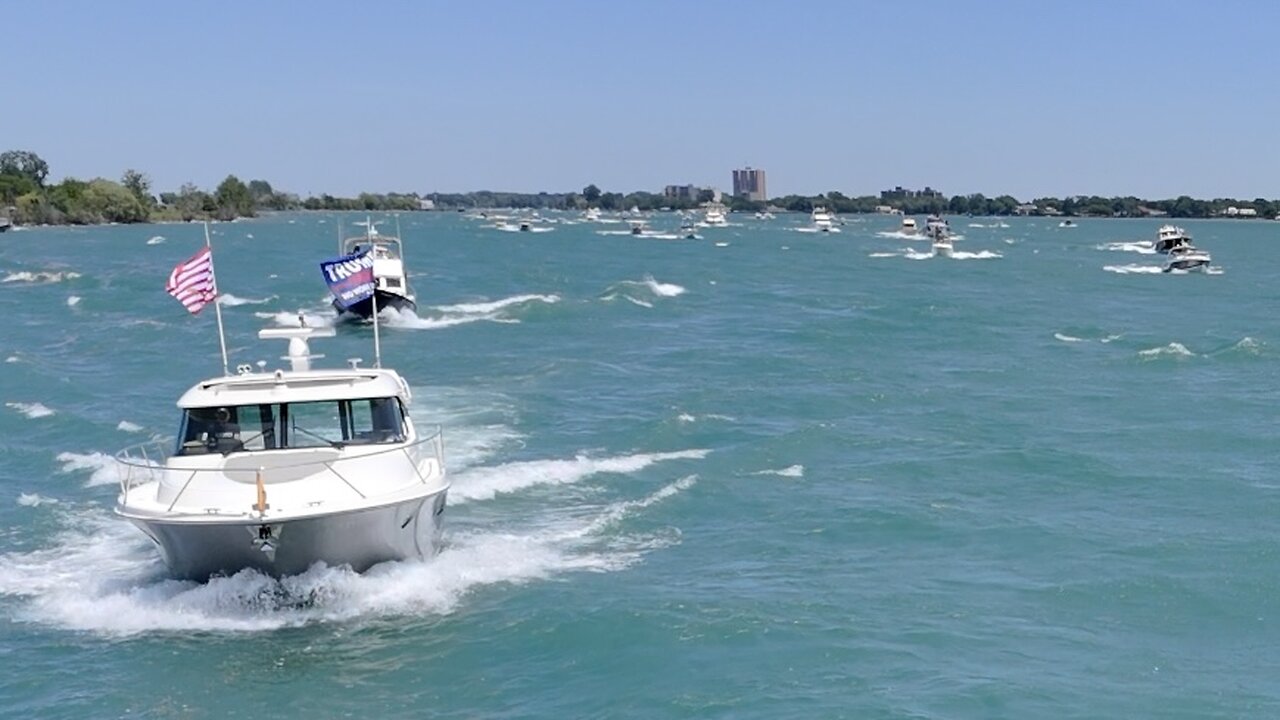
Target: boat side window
(312, 424)
(372, 421)
(393, 282)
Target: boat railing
(148, 462)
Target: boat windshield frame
(269, 427)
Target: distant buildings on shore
(749, 183)
(901, 193)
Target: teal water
(794, 476)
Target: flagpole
(217, 306)
(377, 343)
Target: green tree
(24, 163)
(14, 186)
(233, 199)
(140, 185)
(109, 201)
(591, 194)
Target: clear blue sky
(1030, 98)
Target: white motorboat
(278, 470)
(715, 216)
(389, 275)
(1067, 224)
(689, 231)
(909, 226)
(939, 233)
(1170, 236)
(592, 215)
(823, 221)
(933, 223)
(1187, 257)
(639, 227)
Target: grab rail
(147, 462)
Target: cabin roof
(284, 386)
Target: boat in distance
(390, 278)
(276, 471)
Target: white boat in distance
(909, 226)
(823, 221)
(389, 276)
(1169, 237)
(1187, 257)
(939, 233)
(715, 216)
(278, 470)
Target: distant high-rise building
(749, 183)
(680, 192)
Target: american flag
(191, 282)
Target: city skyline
(1076, 100)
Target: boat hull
(200, 549)
(364, 308)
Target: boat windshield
(327, 423)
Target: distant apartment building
(749, 183)
(901, 193)
(680, 192)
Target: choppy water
(793, 475)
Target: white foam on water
(484, 483)
(126, 426)
(156, 240)
(662, 289)
(1134, 269)
(634, 301)
(915, 255)
(899, 235)
(31, 410)
(1110, 338)
(73, 300)
(409, 320)
(485, 308)
(722, 244)
(35, 500)
(884, 255)
(685, 417)
(1173, 349)
(229, 300)
(980, 255)
(1249, 345)
(39, 277)
(1144, 248)
(793, 471)
(99, 575)
(13, 359)
(101, 467)
(1068, 338)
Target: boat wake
(1134, 269)
(1172, 350)
(33, 411)
(979, 255)
(794, 471)
(39, 277)
(505, 310)
(642, 292)
(100, 575)
(1145, 248)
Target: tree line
(29, 199)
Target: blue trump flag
(350, 278)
